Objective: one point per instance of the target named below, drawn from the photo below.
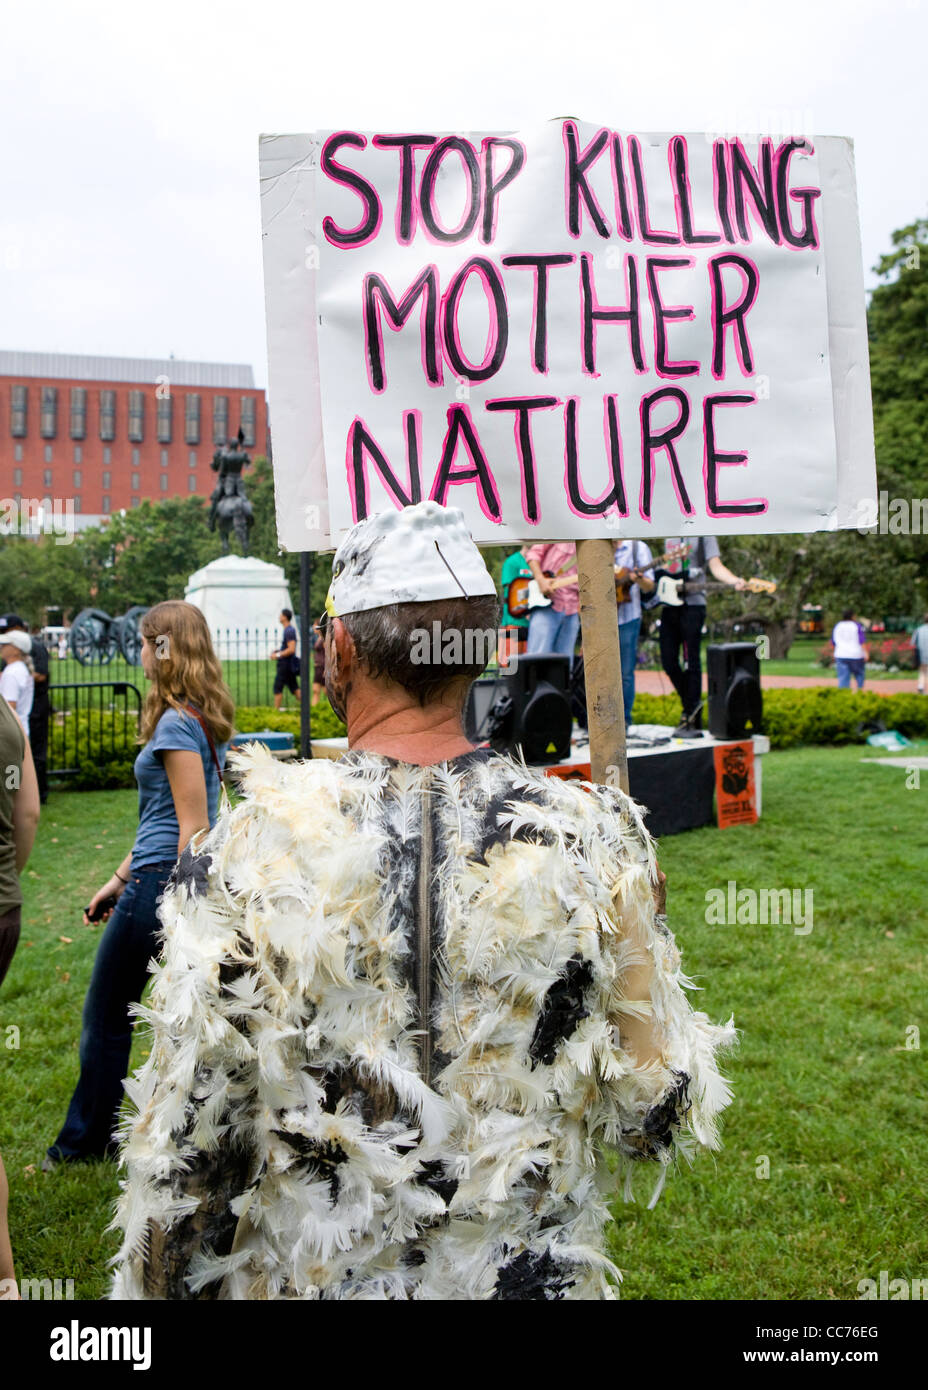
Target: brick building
(106, 432)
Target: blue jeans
(120, 973)
(847, 667)
(628, 650)
(550, 631)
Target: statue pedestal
(241, 599)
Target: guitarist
(683, 626)
(555, 628)
(513, 632)
(632, 555)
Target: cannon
(98, 638)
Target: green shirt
(12, 752)
(515, 566)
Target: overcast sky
(130, 222)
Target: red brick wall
(121, 467)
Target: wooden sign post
(602, 661)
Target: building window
(17, 477)
(191, 482)
(135, 480)
(135, 458)
(48, 421)
(134, 502)
(164, 418)
(136, 417)
(78, 454)
(164, 482)
(220, 419)
(77, 477)
(192, 461)
(48, 453)
(107, 415)
(106, 503)
(47, 478)
(19, 409)
(77, 504)
(107, 454)
(248, 421)
(78, 412)
(192, 420)
(106, 480)
(18, 452)
(164, 458)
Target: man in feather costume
(411, 1001)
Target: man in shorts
(288, 663)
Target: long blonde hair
(187, 668)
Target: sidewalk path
(657, 683)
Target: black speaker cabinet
(481, 698)
(735, 700)
(528, 708)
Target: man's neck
(408, 733)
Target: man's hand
(544, 585)
(739, 584)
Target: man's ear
(343, 654)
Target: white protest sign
(566, 332)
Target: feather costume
(387, 1027)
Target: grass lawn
(803, 661)
(825, 1087)
(251, 682)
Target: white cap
(421, 553)
(15, 638)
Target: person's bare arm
(723, 574)
(544, 583)
(7, 1272)
(188, 788)
(26, 810)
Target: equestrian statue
(230, 507)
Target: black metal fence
(92, 723)
(247, 666)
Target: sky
(130, 223)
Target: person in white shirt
(920, 643)
(850, 656)
(17, 685)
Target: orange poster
(570, 772)
(734, 783)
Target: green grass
(251, 682)
(824, 1085)
(803, 661)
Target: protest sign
(568, 332)
(735, 791)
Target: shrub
(894, 651)
(251, 719)
(99, 744)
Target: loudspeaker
(481, 698)
(736, 706)
(528, 708)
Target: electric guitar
(524, 594)
(625, 577)
(671, 588)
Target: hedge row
(816, 715)
(86, 741)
